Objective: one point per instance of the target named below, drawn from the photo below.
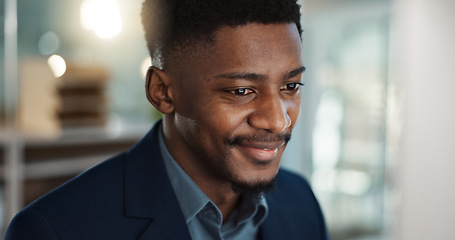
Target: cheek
(221, 116)
(202, 125)
(216, 122)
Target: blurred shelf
(116, 132)
(59, 167)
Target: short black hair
(175, 24)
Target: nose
(270, 114)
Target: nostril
(272, 121)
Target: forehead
(257, 41)
(285, 34)
(251, 47)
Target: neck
(218, 190)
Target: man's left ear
(157, 87)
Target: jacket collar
(148, 191)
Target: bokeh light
(48, 43)
(102, 17)
(57, 65)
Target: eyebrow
(240, 75)
(295, 72)
(258, 77)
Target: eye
(293, 86)
(241, 91)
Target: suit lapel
(167, 224)
(149, 193)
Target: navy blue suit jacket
(130, 197)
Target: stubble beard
(256, 188)
(250, 189)
(253, 190)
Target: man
(226, 75)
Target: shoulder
(94, 205)
(294, 202)
(30, 224)
(96, 182)
(76, 204)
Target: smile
(262, 153)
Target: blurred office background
(376, 136)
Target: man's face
(236, 105)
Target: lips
(261, 152)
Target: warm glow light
(102, 17)
(57, 64)
(145, 66)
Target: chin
(253, 189)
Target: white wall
(423, 64)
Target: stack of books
(82, 94)
(49, 104)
